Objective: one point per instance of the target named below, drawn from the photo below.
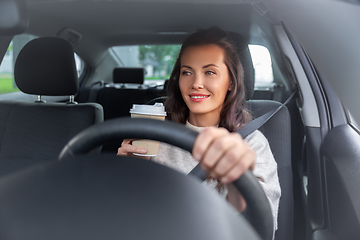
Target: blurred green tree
(163, 57)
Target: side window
(79, 64)
(263, 67)
(7, 72)
(7, 83)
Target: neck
(204, 120)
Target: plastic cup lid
(157, 109)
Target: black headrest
(128, 75)
(46, 66)
(14, 17)
(243, 51)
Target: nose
(198, 82)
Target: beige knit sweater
(265, 166)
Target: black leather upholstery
(36, 132)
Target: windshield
(158, 61)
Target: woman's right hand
(127, 149)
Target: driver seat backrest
(33, 132)
(278, 132)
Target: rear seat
(118, 97)
(117, 101)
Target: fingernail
(196, 156)
(213, 176)
(142, 150)
(224, 180)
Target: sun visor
(13, 17)
(128, 75)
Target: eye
(185, 73)
(209, 72)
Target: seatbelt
(260, 121)
(250, 127)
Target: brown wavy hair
(233, 114)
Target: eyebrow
(210, 65)
(206, 66)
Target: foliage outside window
(7, 72)
(161, 58)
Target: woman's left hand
(224, 155)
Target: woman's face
(204, 80)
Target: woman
(206, 93)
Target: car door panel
(340, 154)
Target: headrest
(128, 75)
(13, 17)
(46, 66)
(243, 51)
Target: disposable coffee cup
(156, 111)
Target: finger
(204, 140)
(121, 150)
(128, 149)
(134, 149)
(126, 141)
(216, 151)
(239, 168)
(230, 148)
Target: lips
(198, 97)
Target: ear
(230, 86)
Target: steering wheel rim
(258, 211)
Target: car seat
(278, 132)
(33, 132)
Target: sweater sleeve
(265, 167)
(266, 171)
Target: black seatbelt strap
(260, 121)
(249, 128)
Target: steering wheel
(257, 212)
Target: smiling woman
(225, 67)
(206, 93)
(204, 79)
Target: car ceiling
(107, 23)
(124, 22)
(331, 39)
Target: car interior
(28, 124)
(72, 92)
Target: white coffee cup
(156, 111)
